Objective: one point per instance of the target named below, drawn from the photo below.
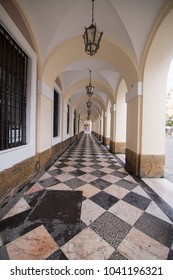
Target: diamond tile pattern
(86, 206)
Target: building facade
(44, 72)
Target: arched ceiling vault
(57, 26)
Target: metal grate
(13, 83)
(56, 120)
(68, 119)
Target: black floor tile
(115, 167)
(126, 184)
(49, 182)
(96, 166)
(98, 173)
(3, 253)
(56, 172)
(12, 227)
(33, 198)
(137, 200)
(62, 233)
(77, 173)
(61, 165)
(58, 255)
(119, 174)
(170, 255)
(75, 183)
(117, 256)
(100, 183)
(110, 228)
(156, 228)
(58, 206)
(104, 200)
(79, 166)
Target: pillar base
(117, 147)
(149, 166)
(106, 141)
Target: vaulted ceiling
(126, 24)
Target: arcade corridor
(86, 206)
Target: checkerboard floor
(86, 206)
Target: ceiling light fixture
(90, 88)
(92, 36)
(88, 103)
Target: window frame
(10, 157)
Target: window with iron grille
(74, 127)
(56, 115)
(13, 99)
(68, 119)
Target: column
(113, 128)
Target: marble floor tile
(47, 175)
(87, 245)
(87, 178)
(130, 178)
(19, 207)
(87, 169)
(68, 169)
(154, 210)
(162, 187)
(117, 256)
(98, 173)
(104, 199)
(138, 246)
(35, 188)
(34, 197)
(126, 184)
(88, 163)
(100, 183)
(34, 245)
(72, 162)
(107, 170)
(126, 212)
(122, 157)
(96, 166)
(60, 187)
(140, 191)
(75, 183)
(88, 190)
(118, 174)
(122, 170)
(116, 191)
(57, 162)
(104, 164)
(111, 178)
(90, 211)
(58, 255)
(64, 177)
(110, 228)
(156, 228)
(56, 172)
(3, 253)
(53, 167)
(137, 200)
(77, 173)
(49, 182)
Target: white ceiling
(127, 22)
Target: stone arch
(67, 53)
